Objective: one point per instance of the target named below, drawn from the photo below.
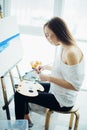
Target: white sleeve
(74, 75)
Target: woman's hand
(39, 69)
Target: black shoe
(30, 124)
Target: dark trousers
(44, 99)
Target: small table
(13, 125)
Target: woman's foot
(30, 124)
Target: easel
(3, 84)
(5, 107)
(6, 101)
(6, 67)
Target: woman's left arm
(57, 81)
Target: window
(74, 11)
(31, 12)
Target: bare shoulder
(74, 55)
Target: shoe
(30, 124)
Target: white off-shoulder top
(74, 74)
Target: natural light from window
(31, 12)
(74, 11)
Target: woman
(67, 73)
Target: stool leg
(76, 120)
(71, 120)
(48, 114)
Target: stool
(72, 112)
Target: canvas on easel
(11, 51)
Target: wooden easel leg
(18, 73)
(12, 81)
(5, 97)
